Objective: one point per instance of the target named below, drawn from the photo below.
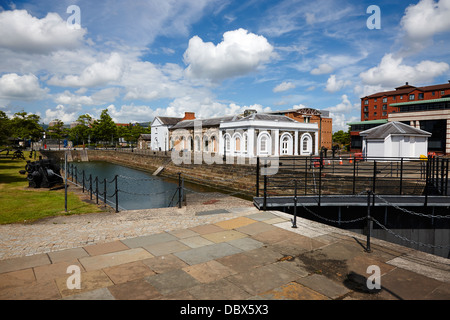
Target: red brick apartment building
(427, 108)
(378, 105)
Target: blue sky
(142, 59)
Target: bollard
(90, 185)
(294, 222)
(104, 191)
(117, 195)
(369, 222)
(96, 190)
(83, 181)
(179, 190)
(265, 188)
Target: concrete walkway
(243, 254)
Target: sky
(141, 59)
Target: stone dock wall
(227, 177)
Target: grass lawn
(19, 203)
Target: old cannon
(43, 173)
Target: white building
(160, 132)
(394, 139)
(246, 136)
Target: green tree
(5, 128)
(83, 130)
(342, 138)
(57, 131)
(26, 126)
(104, 129)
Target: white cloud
(391, 72)
(238, 54)
(284, 86)
(26, 87)
(98, 73)
(345, 106)
(334, 85)
(425, 19)
(61, 112)
(322, 69)
(19, 31)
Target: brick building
(310, 115)
(379, 105)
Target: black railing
(353, 175)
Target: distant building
(144, 141)
(310, 115)
(160, 130)
(394, 139)
(381, 104)
(247, 135)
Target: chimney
(189, 116)
(406, 83)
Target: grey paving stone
(98, 294)
(324, 285)
(217, 211)
(67, 255)
(262, 216)
(207, 253)
(23, 263)
(172, 281)
(149, 240)
(246, 243)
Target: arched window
(237, 143)
(213, 144)
(227, 139)
(198, 146)
(306, 144)
(286, 144)
(264, 144)
(244, 142)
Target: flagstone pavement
(210, 250)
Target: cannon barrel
(43, 173)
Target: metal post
(96, 190)
(320, 177)
(90, 185)
(265, 189)
(374, 175)
(83, 181)
(446, 178)
(179, 190)
(401, 176)
(104, 191)
(294, 222)
(65, 182)
(117, 194)
(368, 222)
(306, 175)
(257, 176)
(354, 174)
(76, 175)
(442, 177)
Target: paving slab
(54, 270)
(24, 262)
(67, 255)
(165, 248)
(224, 236)
(108, 247)
(262, 216)
(17, 278)
(255, 228)
(407, 285)
(206, 228)
(207, 253)
(128, 272)
(219, 290)
(209, 212)
(183, 233)
(134, 290)
(292, 291)
(164, 263)
(114, 258)
(261, 279)
(239, 262)
(44, 290)
(209, 271)
(89, 281)
(138, 242)
(246, 244)
(235, 223)
(436, 271)
(324, 285)
(98, 294)
(172, 281)
(196, 242)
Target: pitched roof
(146, 136)
(169, 120)
(210, 122)
(393, 128)
(267, 117)
(405, 89)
